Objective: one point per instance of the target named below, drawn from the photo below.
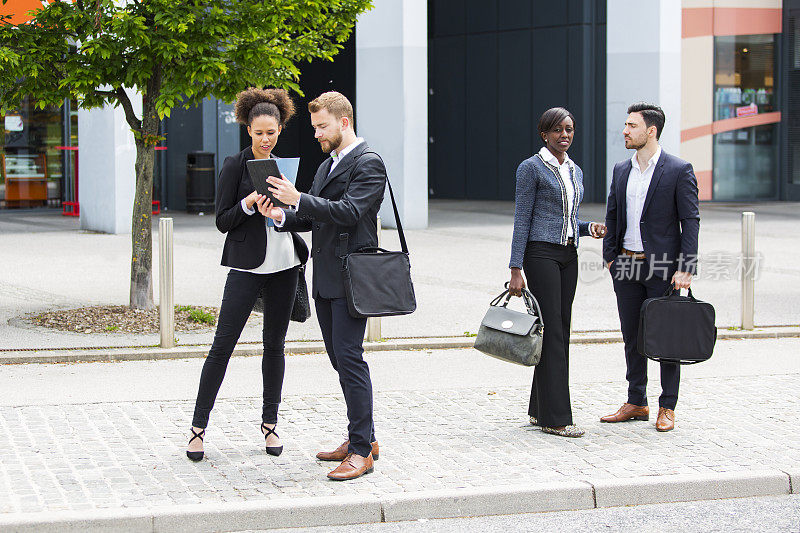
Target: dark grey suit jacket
(670, 220)
(344, 203)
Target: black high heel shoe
(271, 450)
(196, 456)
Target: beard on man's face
(632, 144)
(329, 145)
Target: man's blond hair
(334, 103)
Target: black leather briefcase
(677, 329)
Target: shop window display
(32, 172)
(745, 160)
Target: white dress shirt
(564, 170)
(636, 192)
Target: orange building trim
(18, 9)
(730, 124)
(704, 184)
(704, 21)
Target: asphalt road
(778, 514)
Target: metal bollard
(374, 322)
(166, 296)
(748, 268)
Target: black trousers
(241, 291)
(552, 274)
(344, 341)
(633, 284)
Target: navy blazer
(343, 202)
(670, 219)
(246, 240)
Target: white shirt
(564, 170)
(636, 192)
(280, 255)
(343, 152)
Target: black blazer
(346, 202)
(246, 240)
(670, 219)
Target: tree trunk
(141, 295)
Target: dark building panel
(549, 68)
(448, 17)
(548, 54)
(480, 115)
(516, 89)
(481, 15)
(514, 14)
(549, 13)
(580, 89)
(581, 11)
(447, 129)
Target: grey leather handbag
(510, 335)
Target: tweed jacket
(540, 207)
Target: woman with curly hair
(261, 261)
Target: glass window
(746, 159)
(32, 172)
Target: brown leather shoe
(340, 453)
(665, 420)
(628, 411)
(352, 467)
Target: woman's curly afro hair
(254, 102)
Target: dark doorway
(494, 67)
(297, 140)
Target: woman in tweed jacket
(546, 232)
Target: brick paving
(131, 454)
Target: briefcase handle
(672, 291)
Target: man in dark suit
(341, 210)
(653, 221)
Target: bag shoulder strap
(400, 233)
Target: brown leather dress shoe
(665, 420)
(352, 467)
(340, 453)
(628, 411)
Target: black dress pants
(633, 284)
(241, 291)
(344, 341)
(552, 274)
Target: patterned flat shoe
(568, 431)
(534, 422)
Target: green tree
(173, 53)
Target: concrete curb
(683, 488)
(346, 510)
(137, 353)
(556, 496)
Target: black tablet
(260, 170)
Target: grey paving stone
(132, 453)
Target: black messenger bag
(676, 329)
(377, 282)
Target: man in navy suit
(341, 211)
(653, 221)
